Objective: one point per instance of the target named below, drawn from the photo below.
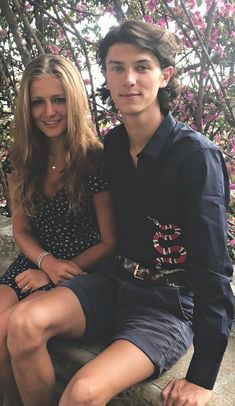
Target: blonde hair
(29, 154)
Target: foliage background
(73, 28)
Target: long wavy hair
(30, 149)
(162, 44)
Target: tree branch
(8, 13)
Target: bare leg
(8, 298)
(57, 312)
(7, 381)
(115, 369)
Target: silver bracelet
(40, 258)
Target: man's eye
(141, 68)
(117, 68)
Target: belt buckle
(137, 273)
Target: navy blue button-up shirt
(171, 213)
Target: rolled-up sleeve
(204, 183)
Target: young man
(172, 277)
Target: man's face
(134, 77)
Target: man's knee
(85, 392)
(25, 329)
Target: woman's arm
(108, 232)
(57, 270)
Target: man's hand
(31, 279)
(180, 392)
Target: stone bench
(69, 355)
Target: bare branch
(28, 28)
(8, 13)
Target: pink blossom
(215, 34)
(186, 43)
(78, 62)
(87, 82)
(233, 34)
(61, 35)
(161, 22)
(177, 10)
(28, 6)
(53, 21)
(188, 95)
(3, 33)
(151, 5)
(205, 73)
(68, 53)
(227, 10)
(148, 19)
(209, 117)
(3, 203)
(110, 10)
(114, 120)
(232, 185)
(232, 242)
(54, 48)
(182, 107)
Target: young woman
(61, 209)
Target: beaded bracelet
(40, 258)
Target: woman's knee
(25, 328)
(83, 392)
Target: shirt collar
(160, 138)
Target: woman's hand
(60, 270)
(32, 279)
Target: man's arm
(204, 187)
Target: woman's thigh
(57, 312)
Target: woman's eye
(36, 102)
(60, 100)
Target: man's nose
(130, 78)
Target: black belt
(164, 277)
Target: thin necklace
(53, 165)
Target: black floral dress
(59, 231)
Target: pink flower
(182, 107)
(110, 10)
(61, 35)
(87, 82)
(28, 6)
(151, 5)
(232, 185)
(161, 22)
(68, 53)
(148, 19)
(78, 62)
(3, 33)
(54, 48)
(3, 203)
(232, 242)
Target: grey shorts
(157, 319)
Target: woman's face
(48, 106)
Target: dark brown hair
(162, 44)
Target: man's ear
(166, 75)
